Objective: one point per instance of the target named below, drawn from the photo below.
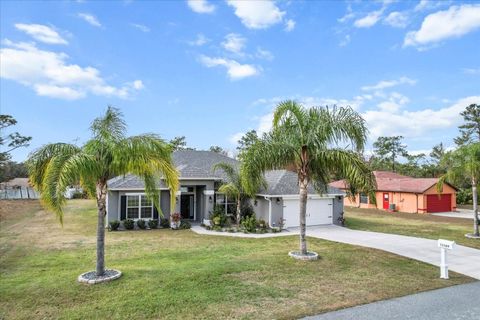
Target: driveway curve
(461, 259)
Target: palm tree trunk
(475, 207)
(303, 212)
(102, 210)
(239, 210)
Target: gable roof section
(390, 181)
(190, 164)
(284, 182)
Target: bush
(129, 224)
(164, 223)
(79, 195)
(153, 224)
(247, 210)
(218, 216)
(113, 225)
(464, 196)
(249, 224)
(184, 224)
(262, 224)
(141, 224)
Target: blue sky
(211, 70)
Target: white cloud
(471, 71)
(140, 27)
(290, 25)
(236, 137)
(257, 14)
(91, 19)
(348, 16)
(424, 5)
(369, 20)
(49, 74)
(201, 6)
(397, 19)
(138, 85)
(41, 33)
(235, 70)
(415, 123)
(199, 41)
(264, 54)
(234, 43)
(389, 83)
(452, 23)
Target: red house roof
(390, 181)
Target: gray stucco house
(199, 193)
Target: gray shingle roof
(193, 164)
(284, 182)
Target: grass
(181, 275)
(411, 224)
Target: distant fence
(19, 193)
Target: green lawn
(182, 275)
(411, 224)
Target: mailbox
(444, 245)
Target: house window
(363, 198)
(229, 204)
(139, 207)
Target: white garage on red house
(279, 202)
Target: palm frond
(110, 127)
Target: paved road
(453, 303)
(461, 259)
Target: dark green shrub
(262, 224)
(184, 224)
(153, 224)
(217, 228)
(164, 223)
(464, 196)
(113, 225)
(249, 224)
(218, 216)
(246, 210)
(141, 224)
(129, 224)
(79, 195)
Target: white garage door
(319, 211)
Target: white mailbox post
(444, 245)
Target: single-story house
(396, 192)
(199, 192)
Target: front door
(187, 206)
(386, 201)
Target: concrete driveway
(460, 213)
(453, 303)
(461, 259)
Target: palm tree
(234, 186)
(464, 163)
(309, 141)
(107, 154)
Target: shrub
(218, 216)
(217, 228)
(141, 224)
(184, 224)
(249, 224)
(246, 210)
(153, 224)
(113, 225)
(129, 224)
(164, 223)
(175, 217)
(262, 224)
(79, 195)
(464, 196)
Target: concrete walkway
(452, 303)
(461, 259)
